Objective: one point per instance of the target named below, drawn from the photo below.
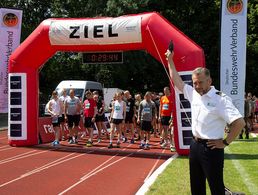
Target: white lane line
(253, 189)
(3, 137)
(41, 169)
(6, 149)
(103, 163)
(154, 166)
(48, 165)
(94, 173)
(21, 157)
(145, 187)
(16, 156)
(6, 146)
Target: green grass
(240, 171)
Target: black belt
(197, 139)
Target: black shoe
(118, 145)
(124, 140)
(110, 146)
(240, 137)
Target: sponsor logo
(234, 6)
(10, 19)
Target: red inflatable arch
(148, 31)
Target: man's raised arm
(178, 82)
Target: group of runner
(130, 118)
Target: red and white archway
(148, 31)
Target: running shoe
(164, 145)
(161, 142)
(76, 141)
(142, 145)
(138, 138)
(99, 140)
(132, 141)
(146, 147)
(124, 139)
(83, 135)
(110, 146)
(89, 144)
(55, 143)
(118, 144)
(172, 148)
(71, 141)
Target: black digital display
(15, 82)
(102, 58)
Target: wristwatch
(225, 142)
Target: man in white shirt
(211, 111)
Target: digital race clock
(102, 57)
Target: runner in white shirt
(118, 115)
(55, 108)
(211, 111)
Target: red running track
(75, 169)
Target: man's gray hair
(201, 70)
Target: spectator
(247, 117)
(256, 108)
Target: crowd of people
(250, 114)
(133, 119)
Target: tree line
(198, 19)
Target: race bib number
(87, 106)
(165, 107)
(127, 109)
(147, 110)
(117, 108)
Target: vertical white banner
(10, 32)
(233, 50)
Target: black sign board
(115, 57)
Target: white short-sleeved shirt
(72, 104)
(118, 110)
(210, 112)
(56, 106)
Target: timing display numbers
(102, 58)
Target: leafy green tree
(198, 19)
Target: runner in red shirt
(89, 113)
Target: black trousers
(206, 163)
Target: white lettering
(48, 129)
